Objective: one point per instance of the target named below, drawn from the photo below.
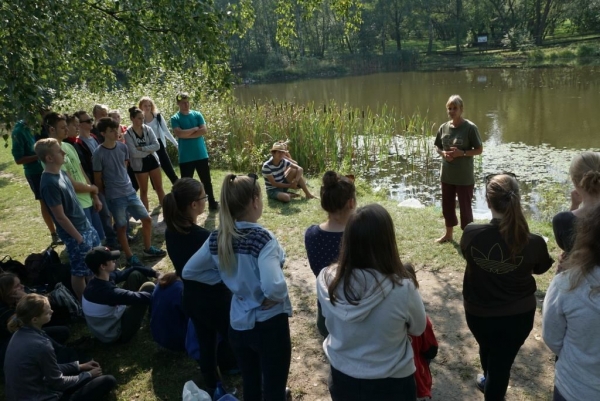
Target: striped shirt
(278, 172)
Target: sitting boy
(281, 173)
(110, 176)
(112, 313)
(72, 225)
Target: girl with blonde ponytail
(585, 175)
(498, 286)
(249, 260)
(34, 372)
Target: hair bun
(590, 182)
(330, 178)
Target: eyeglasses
(201, 198)
(91, 120)
(489, 177)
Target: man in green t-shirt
(23, 153)
(190, 128)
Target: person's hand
(84, 367)
(93, 189)
(447, 156)
(79, 240)
(268, 304)
(294, 184)
(97, 203)
(96, 372)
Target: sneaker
(154, 252)
(480, 382)
(134, 261)
(213, 206)
(56, 240)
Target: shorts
(77, 251)
(35, 184)
(120, 206)
(272, 193)
(149, 163)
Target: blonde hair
(237, 193)
(98, 107)
(584, 258)
(148, 99)
(28, 308)
(455, 100)
(113, 112)
(585, 172)
(43, 146)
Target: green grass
(145, 372)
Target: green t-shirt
(190, 149)
(22, 145)
(72, 166)
(464, 137)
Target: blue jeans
(120, 207)
(95, 220)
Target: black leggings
(264, 355)
(165, 163)
(203, 170)
(208, 306)
(347, 388)
(95, 389)
(499, 339)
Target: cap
(280, 146)
(100, 255)
(182, 95)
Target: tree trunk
(430, 44)
(458, 24)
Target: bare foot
(293, 195)
(443, 239)
(311, 196)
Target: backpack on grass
(39, 269)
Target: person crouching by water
(457, 142)
(249, 260)
(371, 305)
(498, 288)
(31, 370)
(282, 173)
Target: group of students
(378, 338)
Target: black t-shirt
(563, 225)
(494, 284)
(181, 247)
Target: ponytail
(175, 204)
(502, 193)
(28, 308)
(237, 193)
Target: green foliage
(517, 39)
(584, 51)
(47, 47)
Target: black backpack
(39, 269)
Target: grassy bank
(145, 372)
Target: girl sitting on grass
(31, 370)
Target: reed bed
(326, 136)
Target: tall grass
(239, 137)
(325, 136)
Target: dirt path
(457, 363)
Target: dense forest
(49, 47)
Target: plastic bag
(191, 392)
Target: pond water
(532, 121)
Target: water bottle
(219, 392)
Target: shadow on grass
(286, 209)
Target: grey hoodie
(571, 330)
(370, 340)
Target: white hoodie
(571, 330)
(370, 340)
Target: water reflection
(553, 106)
(532, 122)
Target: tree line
(47, 47)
